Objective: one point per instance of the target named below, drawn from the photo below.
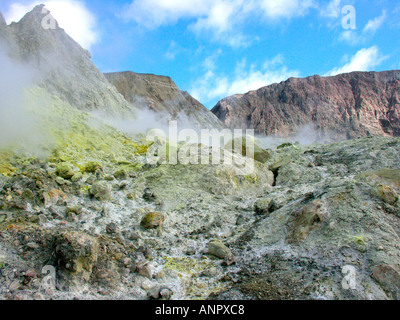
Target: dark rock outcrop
(344, 106)
(161, 95)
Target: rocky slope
(342, 107)
(60, 64)
(161, 95)
(118, 229)
(88, 216)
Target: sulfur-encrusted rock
(121, 175)
(65, 170)
(92, 167)
(152, 220)
(101, 190)
(386, 193)
(77, 253)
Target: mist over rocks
(162, 96)
(64, 67)
(2, 20)
(342, 107)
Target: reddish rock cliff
(344, 106)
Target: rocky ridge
(161, 95)
(346, 106)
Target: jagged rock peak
(65, 67)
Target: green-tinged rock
(76, 177)
(65, 170)
(386, 176)
(101, 190)
(264, 206)
(285, 145)
(386, 193)
(92, 167)
(247, 146)
(3, 217)
(280, 163)
(60, 181)
(77, 209)
(153, 220)
(121, 175)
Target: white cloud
(332, 10)
(219, 18)
(285, 8)
(245, 78)
(364, 60)
(353, 37)
(71, 15)
(373, 25)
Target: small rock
(149, 195)
(32, 245)
(241, 220)
(43, 219)
(76, 177)
(219, 250)
(60, 181)
(160, 275)
(387, 194)
(153, 220)
(3, 217)
(74, 209)
(92, 167)
(145, 270)
(109, 177)
(264, 206)
(158, 293)
(30, 274)
(64, 170)
(190, 251)
(101, 191)
(38, 296)
(121, 175)
(112, 228)
(71, 217)
(389, 278)
(166, 293)
(146, 251)
(14, 286)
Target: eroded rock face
(342, 107)
(161, 95)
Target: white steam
(17, 124)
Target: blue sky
(217, 48)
